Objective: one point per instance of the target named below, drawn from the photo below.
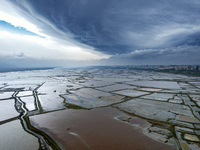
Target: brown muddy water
(94, 129)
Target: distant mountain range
(11, 68)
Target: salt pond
(156, 84)
(99, 109)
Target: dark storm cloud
(181, 55)
(116, 26)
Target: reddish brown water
(94, 129)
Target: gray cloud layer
(180, 55)
(133, 29)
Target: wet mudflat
(99, 109)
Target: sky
(39, 33)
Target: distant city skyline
(43, 33)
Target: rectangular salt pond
(51, 101)
(156, 110)
(159, 96)
(15, 138)
(156, 84)
(7, 110)
(132, 93)
(96, 83)
(30, 105)
(91, 98)
(5, 95)
(116, 87)
(150, 89)
(25, 93)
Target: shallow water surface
(157, 84)
(94, 129)
(115, 109)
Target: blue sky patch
(17, 30)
